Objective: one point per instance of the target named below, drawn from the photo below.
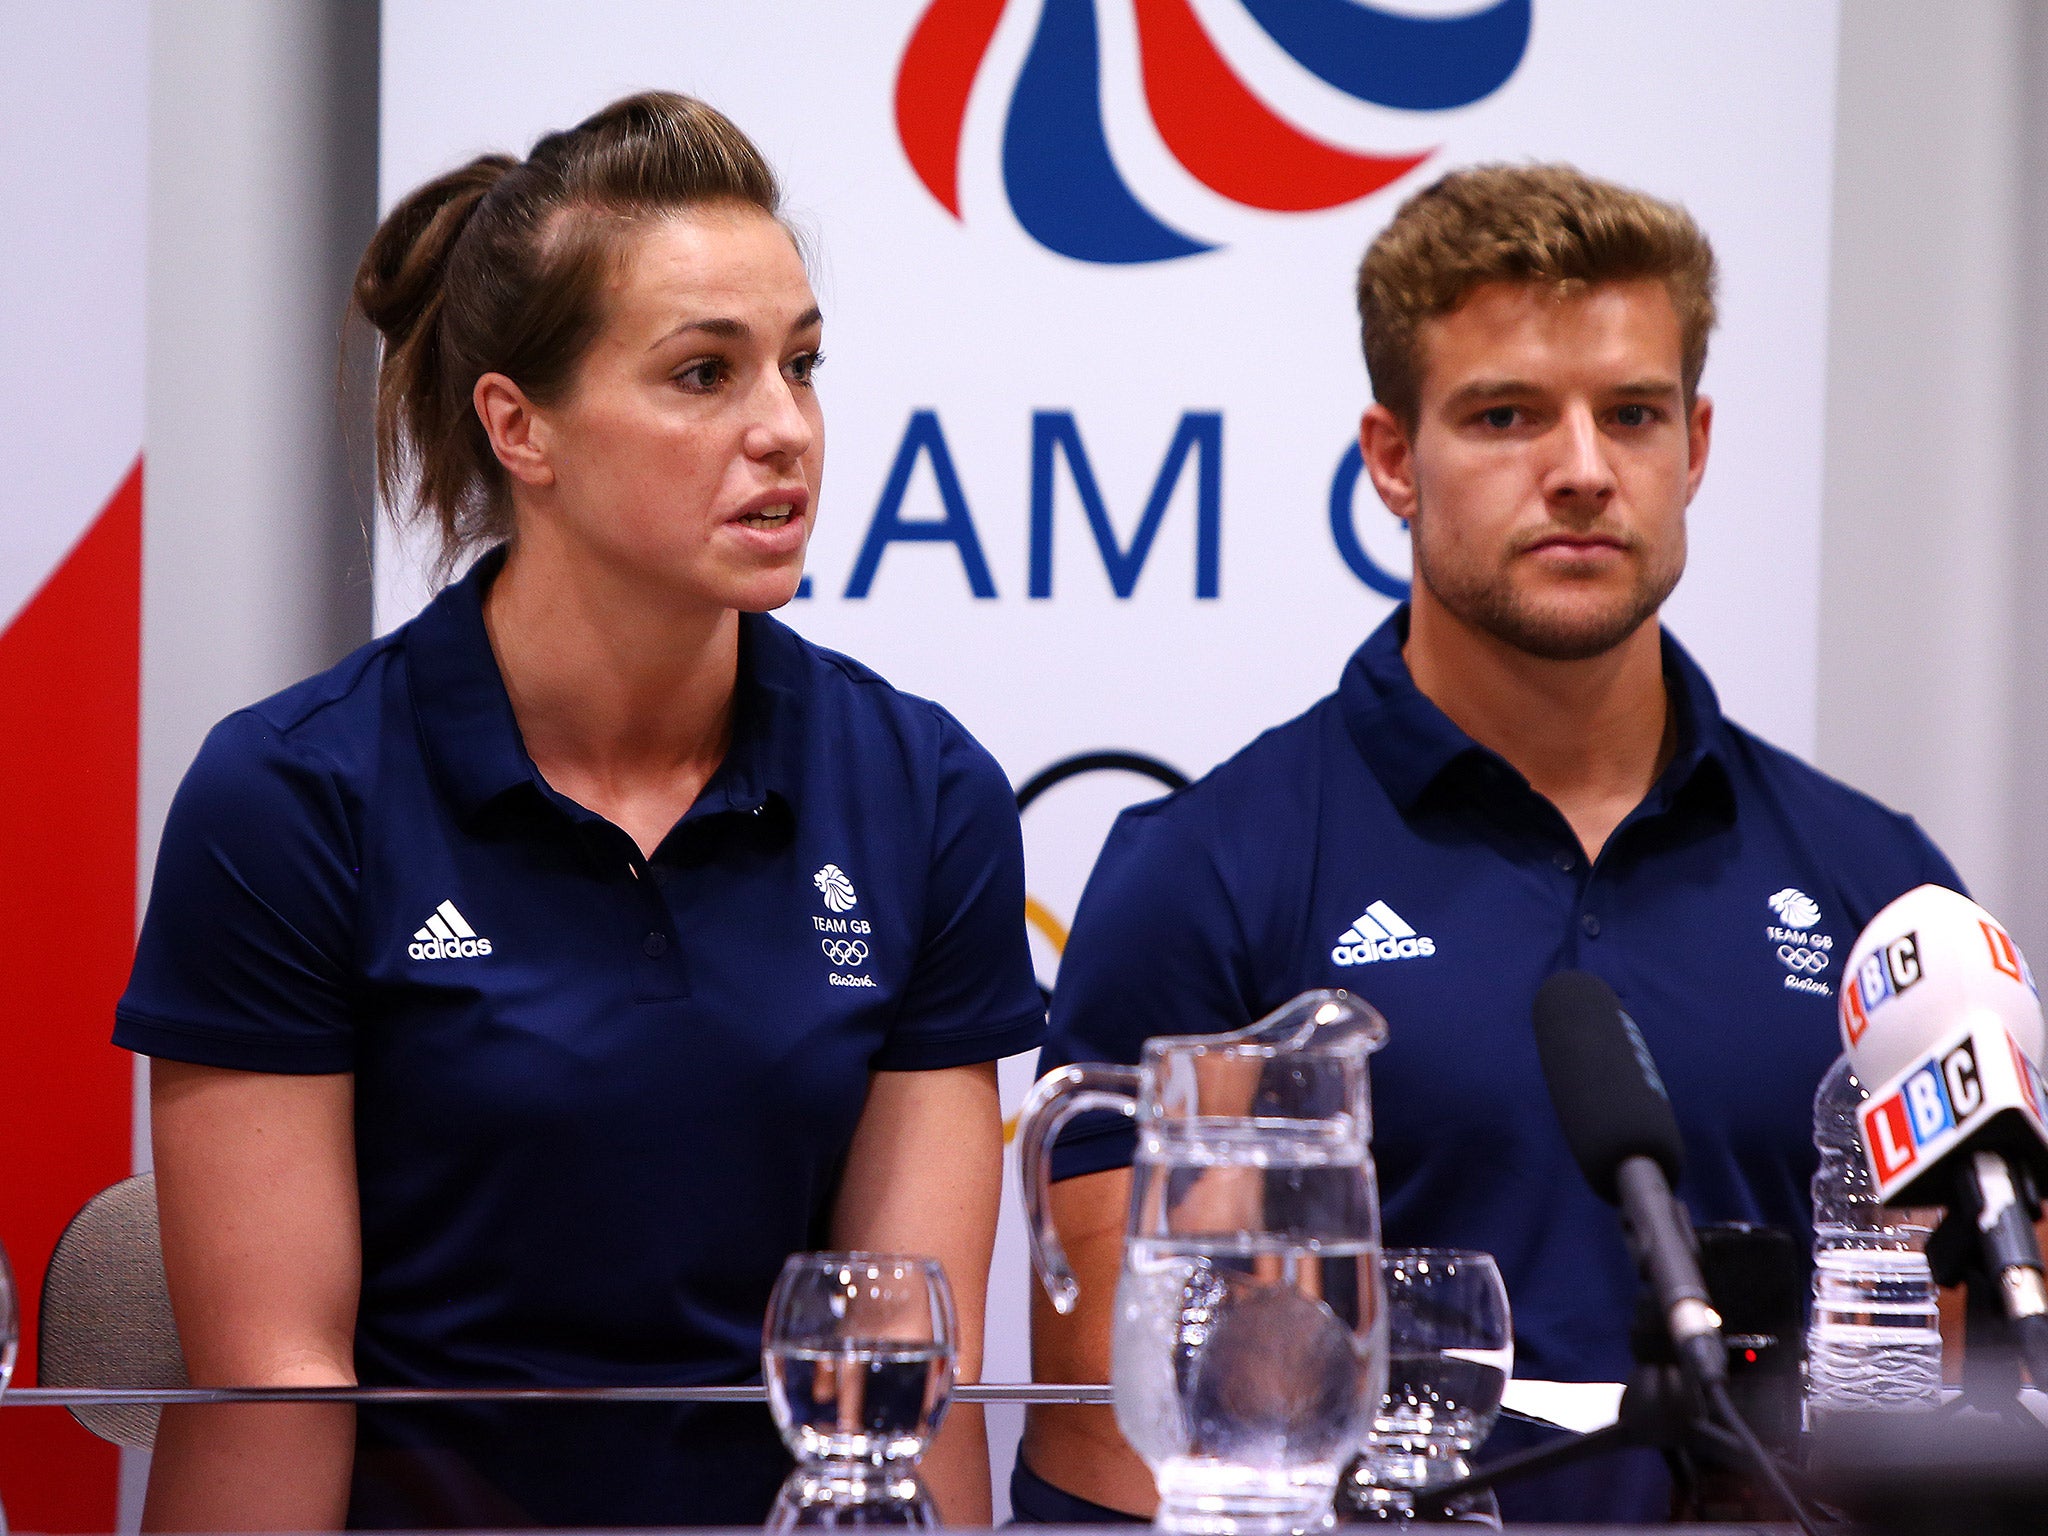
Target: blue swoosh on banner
(1422, 63)
(1064, 187)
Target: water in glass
(857, 1354)
(861, 1400)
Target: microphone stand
(1994, 1347)
(1661, 1409)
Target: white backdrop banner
(1094, 372)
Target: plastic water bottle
(1874, 1342)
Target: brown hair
(1546, 224)
(499, 267)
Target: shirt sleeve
(973, 995)
(1935, 868)
(1157, 949)
(244, 959)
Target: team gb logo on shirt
(845, 939)
(833, 885)
(1803, 953)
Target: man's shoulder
(1870, 843)
(1794, 783)
(1273, 784)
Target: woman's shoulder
(838, 688)
(326, 726)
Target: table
(400, 1408)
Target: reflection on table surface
(474, 1458)
(746, 1392)
(513, 1458)
(530, 1458)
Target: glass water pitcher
(1249, 1351)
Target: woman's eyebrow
(727, 329)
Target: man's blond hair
(1550, 225)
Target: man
(1520, 773)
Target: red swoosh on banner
(70, 671)
(1229, 140)
(932, 87)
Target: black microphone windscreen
(1602, 1082)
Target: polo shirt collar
(473, 741)
(1410, 744)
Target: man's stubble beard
(1491, 603)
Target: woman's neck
(623, 695)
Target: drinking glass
(10, 1323)
(858, 1353)
(10, 1333)
(1450, 1353)
(852, 1494)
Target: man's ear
(519, 434)
(1390, 459)
(1699, 435)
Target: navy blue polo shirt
(599, 1097)
(1371, 844)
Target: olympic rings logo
(844, 951)
(1168, 777)
(1810, 961)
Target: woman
(525, 988)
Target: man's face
(1546, 479)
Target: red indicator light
(1749, 1355)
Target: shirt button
(654, 946)
(1591, 924)
(1567, 861)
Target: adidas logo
(447, 937)
(1380, 934)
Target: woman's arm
(256, 1191)
(925, 1176)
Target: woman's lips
(773, 523)
(769, 517)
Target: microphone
(1943, 1024)
(1617, 1120)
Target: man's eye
(1633, 416)
(1500, 417)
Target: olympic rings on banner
(1811, 961)
(844, 951)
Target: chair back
(106, 1313)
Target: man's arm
(1080, 1449)
(1156, 949)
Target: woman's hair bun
(401, 274)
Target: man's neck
(1590, 736)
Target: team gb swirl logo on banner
(1063, 183)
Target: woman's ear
(518, 432)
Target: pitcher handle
(1054, 1100)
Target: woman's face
(688, 448)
